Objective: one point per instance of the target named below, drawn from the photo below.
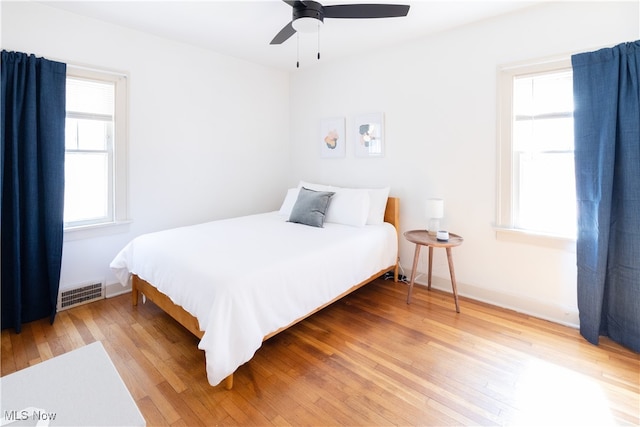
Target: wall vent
(80, 295)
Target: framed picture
(332, 139)
(369, 135)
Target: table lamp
(435, 212)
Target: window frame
(506, 196)
(119, 194)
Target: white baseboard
(537, 308)
(115, 289)
(530, 306)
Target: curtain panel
(32, 151)
(607, 163)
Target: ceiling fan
(309, 15)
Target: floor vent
(80, 295)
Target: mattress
(244, 278)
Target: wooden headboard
(392, 212)
(392, 216)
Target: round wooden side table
(423, 238)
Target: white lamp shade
(435, 208)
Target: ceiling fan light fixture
(306, 24)
(307, 15)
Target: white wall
(438, 95)
(202, 146)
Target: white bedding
(246, 277)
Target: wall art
(332, 139)
(369, 135)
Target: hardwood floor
(369, 359)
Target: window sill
(515, 235)
(96, 230)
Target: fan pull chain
(318, 40)
(298, 50)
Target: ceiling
(243, 28)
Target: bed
(237, 282)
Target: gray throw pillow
(310, 207)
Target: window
(95, 149)
(536, 166)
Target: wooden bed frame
(140, 286)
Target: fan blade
(294, 3)
(284, 34)
(366, 11)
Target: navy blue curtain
(32, 183)
(606, 86)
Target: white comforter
(246, 277)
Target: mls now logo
(41, 416)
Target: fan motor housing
(308, 9)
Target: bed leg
(228, 382)
(134, 292)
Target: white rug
(79, 388)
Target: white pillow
(316, 187)
(349, 207)
(377, 205)
(289, 201)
